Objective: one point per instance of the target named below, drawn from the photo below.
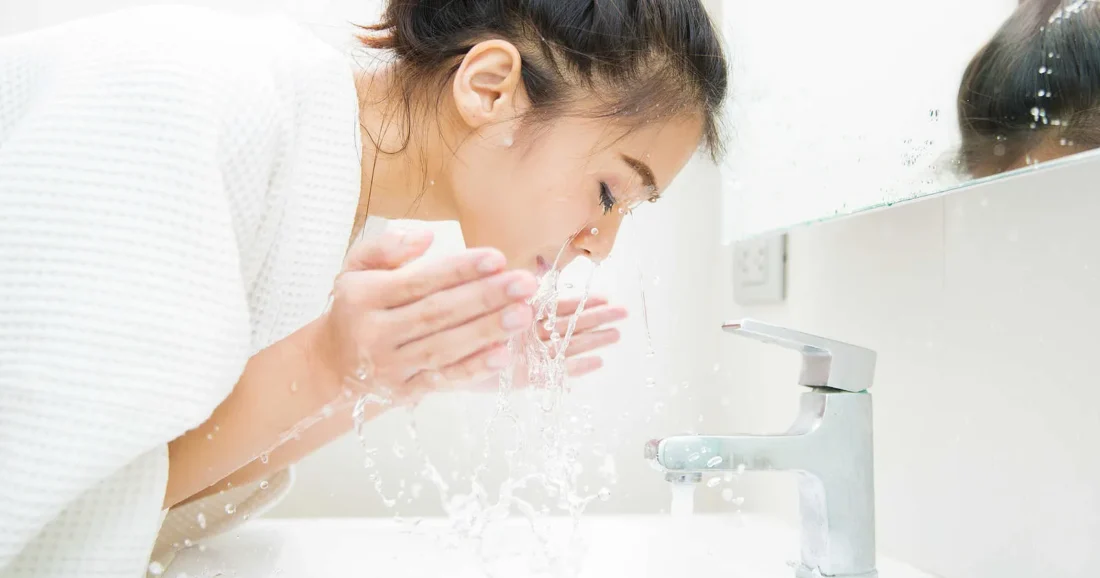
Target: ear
(488, 86)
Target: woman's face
(547, 196)
(564, 194)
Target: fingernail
(491, 263)
(523, 287)
(499, 359)
(515, 318)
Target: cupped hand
(399, 327)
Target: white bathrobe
(177, 188)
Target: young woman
(178, 192)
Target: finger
(581, 366)
(586, 342)
(416, 281)
(442, 349)
(587, 320)
(453, 307)
(389, 251)
(569, 306)
(476, 368)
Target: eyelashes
(607, 200)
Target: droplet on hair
(156, 568)
(1042, 70)
(264, 485)
(1041, 92)
(201, 519)
(595, 231)
(263, 458)
(210, 436)
(230, 509)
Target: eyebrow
(645, 172)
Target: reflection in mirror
(1030, 94)
(839, 116)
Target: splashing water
(540, 452)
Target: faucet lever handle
(825, 362)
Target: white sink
(617, 547)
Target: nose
(596, 241)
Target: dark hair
(1038, 78)
(644, 59)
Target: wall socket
(760, 270)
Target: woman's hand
(589, 334)
(398, 329)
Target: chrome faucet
(829, 447)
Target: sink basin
(717, 546)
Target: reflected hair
(641, 60)
(1036, 80)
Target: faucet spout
(830, 448)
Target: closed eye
(607, 200)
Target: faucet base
(801, 571)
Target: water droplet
(651, 354)
(431, 183)
(264, 485)
(568, 285)
(738, 501)
(1050, 55)
(327, 411)
(714, 461)
(210, 436)
(713, 482)
(264, 458)
(605, 494)
(362, 374)
(187, 543)
(650, 382)
(595, 231)
(156, 568)
(740, 469)
(622, 210)
(656, 281)
(1042, 70)
(1063, 142)
(294, 386)
(201, 519)
(398, 450)
(230, 509)
(658, 407)
(727, 494)
(717, 367)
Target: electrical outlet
(760, 270)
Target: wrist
(324, 377)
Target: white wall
(982, 307)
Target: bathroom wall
(982, 307)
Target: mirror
(838, 108)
